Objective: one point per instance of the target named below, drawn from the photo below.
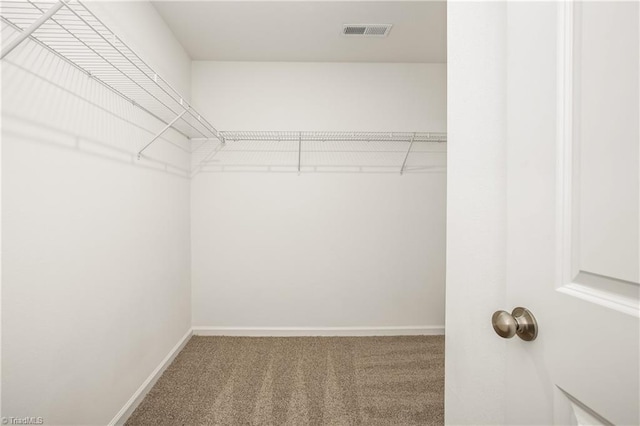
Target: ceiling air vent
(366, 30)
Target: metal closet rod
(84, 41)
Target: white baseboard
(420, 330)
(146, 386)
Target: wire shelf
(75, 34)
(307, 151)
(284, 136)
(68, 29)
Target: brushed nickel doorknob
(520, 321)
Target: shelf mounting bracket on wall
(404, 163)
(34, 26)
(299, 151)
(164, 129)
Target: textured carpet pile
(300, 381)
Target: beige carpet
(300, 381)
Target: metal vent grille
(366, 30)
(354, 30)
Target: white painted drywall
(324, 249)
(321, 96)
(476, 220)
(96, 288)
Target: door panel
(598, 194)
(572, 211)
(572, 412)
(605, 140)
(600, 154)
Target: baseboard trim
(421, 330)
(146, 386)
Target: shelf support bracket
(299, 151)
(28, 31)
(161, 132)
(404, 163)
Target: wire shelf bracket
(299, 151)
(161, 132)
(404, 163)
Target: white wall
(96, 269)
(322, 96)
(324, 249)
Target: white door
(542, 211)
(572, 211)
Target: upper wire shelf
(68, 29)
(320, 136)
(71, 31)
(314, 149)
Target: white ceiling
(307, 31)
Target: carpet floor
(300, 381)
